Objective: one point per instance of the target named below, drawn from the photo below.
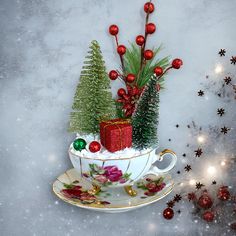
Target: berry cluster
(130, 98)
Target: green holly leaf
(68, 186)
(126, 176)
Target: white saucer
(109, 199)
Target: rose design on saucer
(74, 192)
(151, 186)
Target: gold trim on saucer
(130, 191)
(109, 208)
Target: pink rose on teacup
(113, 173)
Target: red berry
(121, 49)
(113, 30)
(130, 78)
(121, 92)
(158, 71)
(94, 146)
(150, 28)
(113, 75)
(158, 87)
(148, 54)
(168, 213)
(149, 7)
(140, 40)
(126, 97)
(208, 216)
(135, 91)
(177, 63)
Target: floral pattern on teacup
(151, 186)
(107, 175)
(75, 192)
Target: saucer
(71, 188)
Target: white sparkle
(192, 182)
(211, 170)
(222, 163)
(201, 139)
(218, 69)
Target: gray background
(42, 48)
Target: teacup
(122, 172)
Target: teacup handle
(159, 157)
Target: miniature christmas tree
(145, 117)
(93, 99)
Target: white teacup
(120, 172)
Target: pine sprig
(132, 64)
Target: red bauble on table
(177, 63)
(205, 201)
(148, 54)
(149, 7)
(121, 92)
(94, 146)
(121, 49)
(223, 193)
(158, 71)
(150, 28)
(168, 213)
(113, 75)
(140, 40)
(208, 216)
(130, 78)
(113, 30)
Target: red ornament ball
(158, 71)
(130, 78)
(150, 28)
(113, 75)
(113, 30)
(148, 54)
(205, 201)
(121, 49)
(223, 193)
(177, 63)
(208, 216)
(94, 146)
(168, 213)
(149, 7)
(140, 40)
(121, 92)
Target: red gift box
(116, 134)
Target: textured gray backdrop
(42, 48)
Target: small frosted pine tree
(93, 99)
(145, 117)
